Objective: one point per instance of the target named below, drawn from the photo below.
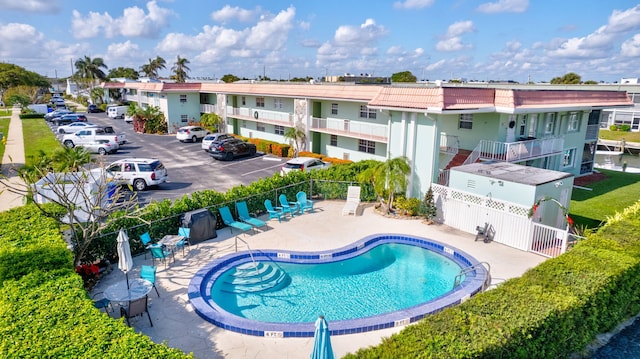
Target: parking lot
(190, 169)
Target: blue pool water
(380, 281)
(387, 278)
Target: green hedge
(31, 115)
(44, 309)
(552, 311)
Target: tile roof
(559, 98)
(324, 91)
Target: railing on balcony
(520, 151)
(449, 144)
(592, 132)
(208, 108)
(355, 129)
(261, 115)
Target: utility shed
(518, 184)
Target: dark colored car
(56, 113)
(93, 108)
(70, 118)
(230, 148)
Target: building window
(334, 108)
(184, 118)
(366, 146)
(549, 123)
(204, 98)
(568, 157)
(523, 125)
(574, 122)
(244, 100)
(334, 140)
(259, 101)
(277, 103)
(279, 130)
(183, 98)
(366, 112)
(260, 126)
(465, 120)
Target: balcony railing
(348, 128)
(207, 108)
(522, 150)
(449, 144)
(261, 115)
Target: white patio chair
(353, 201)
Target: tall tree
(405, 76)
(568, 79)
(151, 69)
(298, 135)
(89, 70)
(180, 69)
(229, 78)
(126, 72)
(13, 75)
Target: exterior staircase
(256, 277)
(458, 159)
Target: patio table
(118, 292)
(171, 240)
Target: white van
(117, 111)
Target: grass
(40, 137)
(613, 194)
(619, 135)
(4, 129)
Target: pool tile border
(207, 309)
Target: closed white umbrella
(321, 342)
(125, 261)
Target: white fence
(509, 222)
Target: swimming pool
(209, 290)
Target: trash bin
(111, 191)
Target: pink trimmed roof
(441, 98)
(356, 93)
(559, 98)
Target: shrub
(407, 206)
(625, 128)
(310, 154)
(24, 116)
(613, 128)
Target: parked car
(93, 108)
(70, 118)
(74, 126)
(231, 148)
(138, 172)
(303, 164)
(213, 137)
(57, 113)
(102, 147)
(191, 133)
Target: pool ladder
(487, 277)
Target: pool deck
(176, 323)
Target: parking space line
(260, 170)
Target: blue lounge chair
(287, 207)
(149, 273)
(159, 251)
(145, 238)
(303, 202)
(274, 212)
(243, 214)
(185, 233)
(227, 218)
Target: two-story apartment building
(434, 127)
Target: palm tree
(70, 159)
(299, 137)
(89, 70)
(388, 178)
(151, 69)
(180, 69)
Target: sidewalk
(12, 160)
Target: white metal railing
(208, 108)
(520, 151)
(449, 143)
(350, 128)
(548, 241)
(261, 115)
(473, 157)
(443, 177)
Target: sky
(518, 40)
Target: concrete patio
(177, 325)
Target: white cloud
(272, 33)
(125, 49)
(413, 4)
(35, 6)
(19, 40)
(367, 33)
(631, 47)
(452, 40)
(134, 22)
(229, 13)
(499, 6)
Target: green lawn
(38, 136)
(618, 191)
(619, 135)
(4, 129)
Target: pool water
(387, 278)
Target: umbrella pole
(126, 275)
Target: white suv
(138, 172)
(191, 133)
(303, 164)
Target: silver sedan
(73, 127)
